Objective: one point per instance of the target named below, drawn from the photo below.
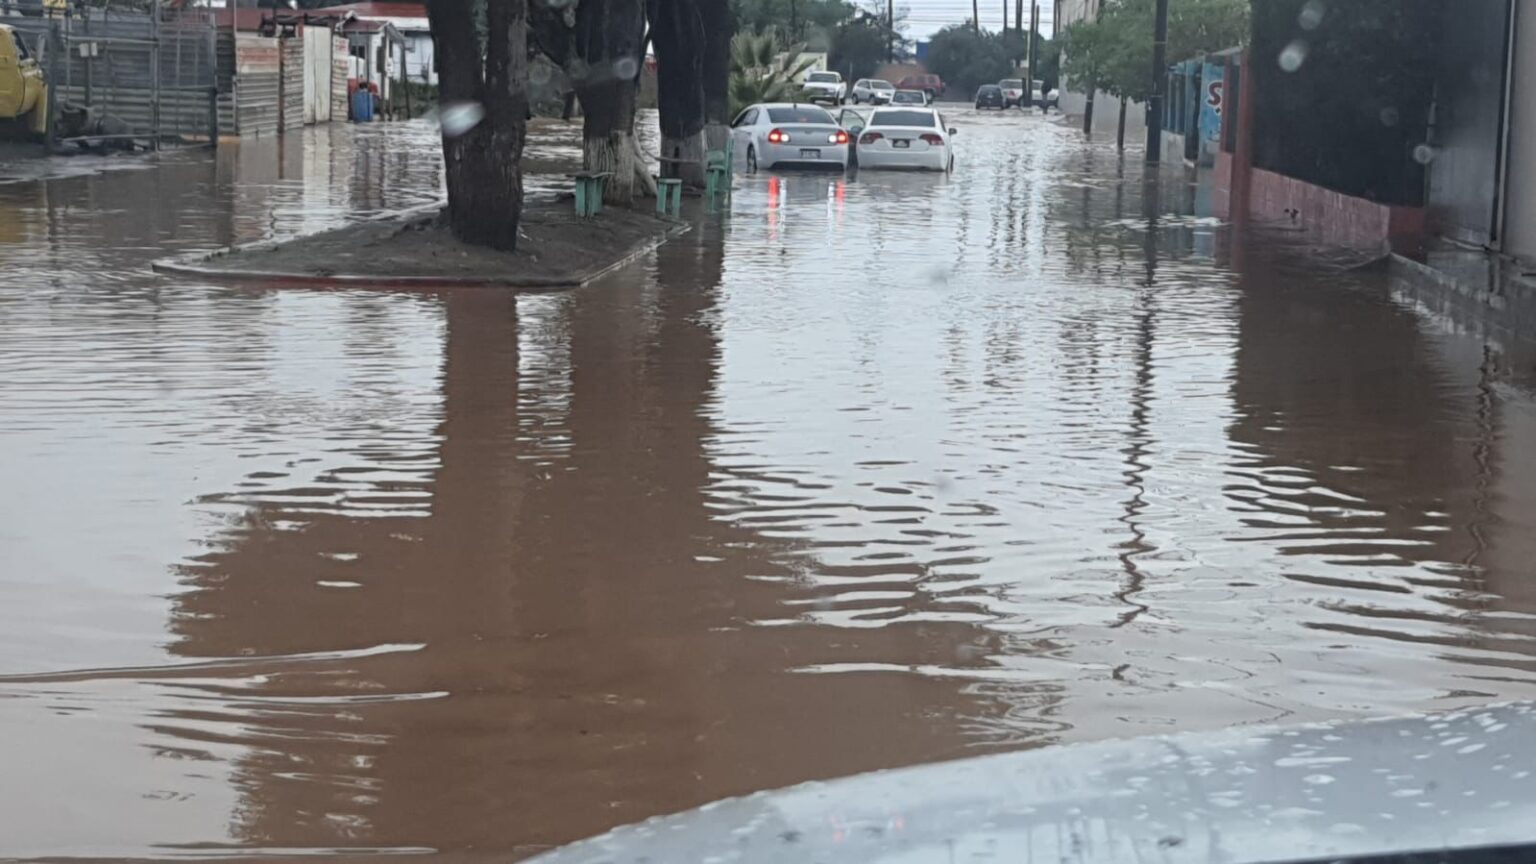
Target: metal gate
(143, 77)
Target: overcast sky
(926, 16)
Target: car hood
(1241, 796)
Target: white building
(410, 20)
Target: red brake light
(778, 136)
(933, 139)
(840, 137)
(870, 137)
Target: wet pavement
(889, 469)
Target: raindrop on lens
(1293, 55)
(624, 68)
(1423, 154)
(1312, 14)
(459, 117)
(1390, 116)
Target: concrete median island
(556, 249)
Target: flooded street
(885, 470)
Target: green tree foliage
(859, 47)
(810, 21)
(966, 59)
(764, 69)
(1114, 53)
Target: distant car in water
(933, 85)
(872, 90)
(1013, 92)
(910, 97)
(990, 96)
(906, 138)
(824, 87)
(787, 135)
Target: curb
(190, 265)
(1500, 301)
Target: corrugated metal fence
(291, 84)
(258, 85)
(159, 81)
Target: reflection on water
(890, 468)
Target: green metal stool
(669, 196)
(589, 192)
(717, 186)
(718, 171)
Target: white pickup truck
(826, 87)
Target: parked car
(906, 138)
(875, 91)
(1052, 99)
(824, 87)
(910, 97)
(1037, 93)
(1013, 92)
(990, 96)
(787, 135)
(933, 85)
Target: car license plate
(810, 154)
(900, 143)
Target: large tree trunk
(1088, 113)
(719, 27)
(482, 164)
(677, 33)
(609, 43)
(608, 136)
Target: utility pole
(1159, 82)
(794, 26)
(1018, 16)
(1034, 25)
(1005, 17)
(975, 18)
(890, 31)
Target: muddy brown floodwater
(888, 469)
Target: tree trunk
(484, 177)
(608, 136)
(719, 27)
(677, 33)
(1120, 133)
(1088, 113)
(608, 41)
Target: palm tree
(764, 70)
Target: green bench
(589, 192)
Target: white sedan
(787, 135)
(906, 138)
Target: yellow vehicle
(23, 92)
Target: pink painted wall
(1335, 217)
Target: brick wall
(1334, 217)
